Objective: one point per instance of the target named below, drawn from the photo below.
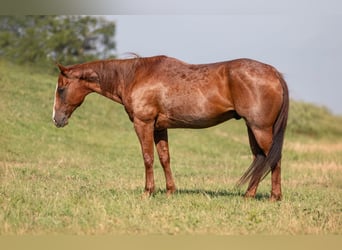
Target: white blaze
(54, 105)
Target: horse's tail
(262, 164)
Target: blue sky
(302, 38)
(305, 47)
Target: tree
(46, 39)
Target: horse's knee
(148, 160)
(164, 160)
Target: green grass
(88, 177)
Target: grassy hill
(87, 178)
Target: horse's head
(72, 88)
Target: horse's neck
(114, 77)
(117, 75)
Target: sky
(306, 46)
(301, 38)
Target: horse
(162, 92)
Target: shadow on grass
(217, 193)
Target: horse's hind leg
(252, 187)
(161, 141)
(276, 183)
(260, 142)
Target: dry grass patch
(314, 146)
(327, 166)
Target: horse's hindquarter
(256, 90)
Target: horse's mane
(131, 55)
(111, 71)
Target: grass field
(87, 178)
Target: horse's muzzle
(60, 122)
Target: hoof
(170, 191)
(147, 193)
(275, 197)
(249, 195)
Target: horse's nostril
(60, 122)
(57, 123)
(54, 121)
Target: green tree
(43, 40)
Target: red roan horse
(162, 92)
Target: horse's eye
(60, 90)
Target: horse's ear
(87, 74)
(62, 69)
(70, 73)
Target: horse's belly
(192, 120)
(193, 107)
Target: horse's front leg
(145, 134)
(162, 145)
